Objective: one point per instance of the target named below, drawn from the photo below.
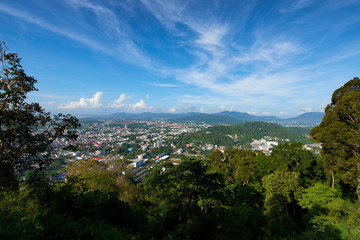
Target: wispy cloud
(113, 41)
(49, 96)
(165, 85)
(296, 5)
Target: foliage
(294, 158)
(339, 134)
(246, 132)
(26, 130)
(283, 213)
(328, 213)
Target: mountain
(250, 118)
(225, 117)
(208, 118)
(149, 115)
(309, 118)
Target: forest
(246, 133)
(237, 194)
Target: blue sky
(278, 58)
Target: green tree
(237, 165)
(293, 158)
(339, 134)
(281, 208)
(185, 197)
(328, 215)
(27, 131)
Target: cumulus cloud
(172, 110)
(226, 108)
(118, 103)
(140, 104)
(93, 102)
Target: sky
(279, 58)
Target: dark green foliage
(246, 133)
(26, 130)
(293, 158)
(186, 195)
(238, 166)
(339, 134)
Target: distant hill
(245, 132)
(208, 118)
(245, 117)
(226, 117)
(149, 115)
(310, 117)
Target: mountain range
(225, 117)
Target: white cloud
(226, 108)
(95, 103)
(84, 102)
(164, 85)
(202, 109)
(212, 35)
(252, 112)
(118, 103)
(306, 109)
(106, 36)
(172, 110)
(141, 105)
(147, 96)
(296, 5)
(322, 107)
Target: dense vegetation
(246, 133)
(237, 194)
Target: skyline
(264, 58)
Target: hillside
(225, 117)
(310, 117)
(208, 118)
(246, 132)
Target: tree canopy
(27, 131)
(339, 134)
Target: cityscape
(143, 144)
(179, 119)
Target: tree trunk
(333, 179)
(358, 181)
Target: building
(137, 163)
